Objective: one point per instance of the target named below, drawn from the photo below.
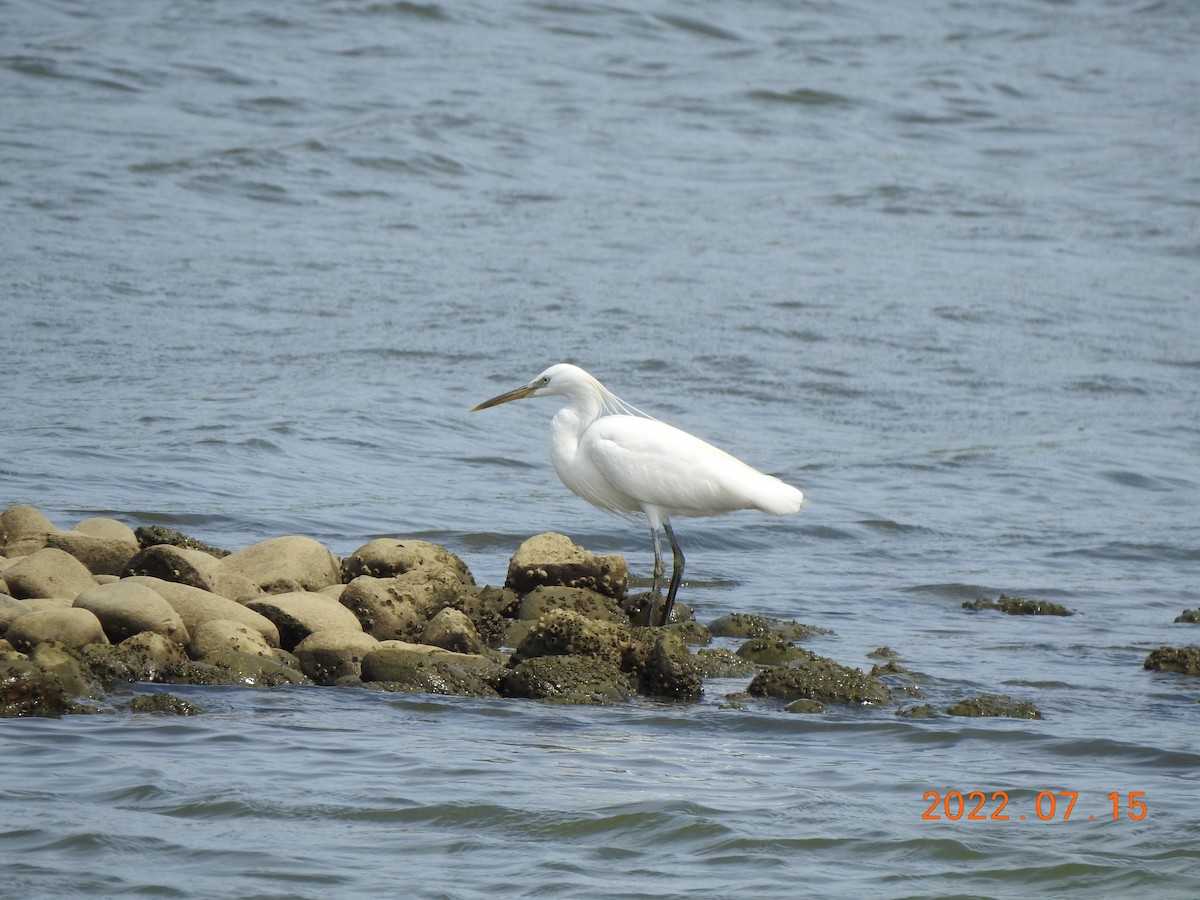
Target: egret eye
(543, 381)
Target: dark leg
(676, 571)
(659, 571)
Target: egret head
(564, 379)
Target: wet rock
(552, 559)
(141, 657)
(100, 555)
(722, 663)
(918, 711)
(231, 667)
(226, 634)
(1189, 616)
(565, 633)
(381, 610)
(805, 705)
(150, 535)
(297, 614)
(744, 625)
(995, 706)
(70, 627)
(592, 604)
(34, 693)
(568, 679)
(128, 608)
(451, 629)
(196, 606)
(48, 572)
(161, 703)
(329, 657)
(771, 651)
(195, 568)
(671, 671)
(413, 670)
(821, 679)
(1184, 660)
(285, 564)
(23, 530)
(388, 557)
(1017, 606)
(883, 653)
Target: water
(936, 265)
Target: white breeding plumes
(623, 461)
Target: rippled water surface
(935, 263)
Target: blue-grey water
(935, 263)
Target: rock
(328, 657)
(150, 535)
(297, 614)
(820, 679)
(918, 711)
(568, 679)
(722, 663)
(161, 703)
(450, 629)
(110, 529)
(1184, 660)
(232, 667)
(226, 634)
(440, 672)
(11, 609)
(388, 557)
(142, 657)
(196, 606)
(1189, 617)
(380, 610)
(1016, 606)
(194, 568)
(429, 588)
(70, 627)
(995, 706)
(127, 608)
(592, 604)
(744, 625)
(671, 671)
(23, 530)
(771, 651)
(100, 555)
(552, 559)
(562, 632)
(285, 564)
(804, 705)
(34, 693)
(48, 572)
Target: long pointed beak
(517, 394)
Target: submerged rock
(745, 625)
(163, 704)
(1184, 660)
(1017, 606)
(1189, 616)
(995, 706)
(771, 651)
(821, 679)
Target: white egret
(621, 460)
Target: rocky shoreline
(88, 610)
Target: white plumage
(623, 461)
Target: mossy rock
(999, 706)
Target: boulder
(70, 627)
(388, 557)
(552, 559)
(328, 657)
(451, 629)
(671, 671)
(297, 614)
(226, 634)
(592, 604)
(1184, 660)
(428, 670)
(999, 706)
(562, 632)
(192, 567)
(127, 608)
(285, 564)
(23, 530)
(820, 679)
(10, 609)
(381, 611)
(196, 606)
(568, 679)
(101, 555)
(48, 572)
(147, 656)
(232, 667)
